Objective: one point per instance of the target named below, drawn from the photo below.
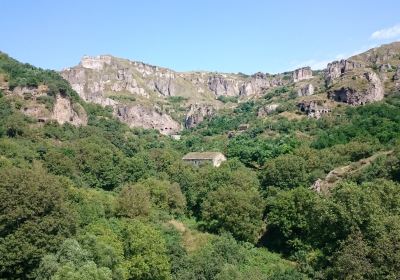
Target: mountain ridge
(142, 91)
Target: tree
(351, 261)
(285, 172)
(134, 201)
(34, 219)
(139, 199)
(144, 251)
(71, 262)
(99, 162)
(165, 195)
(235, 210)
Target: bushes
(226, 99)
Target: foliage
(26, 75)
(226, 99)
(234, 210)
(285, 171)
(105, 201)
(34, 218)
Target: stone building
(198, 158)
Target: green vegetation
(104, 201)
(226, 99)
(26, 75)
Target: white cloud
(386, 33)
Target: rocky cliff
(197, 113)
(134, 88)
(302, 74)
(42, 107)
(142, 94)
(358, 89)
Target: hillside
(91, 191)
(155, 97)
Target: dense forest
(105, 201)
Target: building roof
(202, 155)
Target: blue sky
(228, 36)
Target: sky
(188, 35)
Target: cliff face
(142, 94)
(59, 108)
(134, 88)
(197, 113)
(336, 69)
(300, 74)
(139, 116)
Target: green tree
(71, 262)
(285, 172)
(351, 260)
(165, 195)
(134, 201)
(235, 210)
(145, 252)
(34, 219)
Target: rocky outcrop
(384, 68)
(259, 83)
(302, 74)
(149, 118)
(197, 113)
(385, 54)
(44, 108)
(396, 78)
(314, 108)
(306, 90)
(358, 89)
(336, 69)
(64, 111)
(267, 110)
(221, 85)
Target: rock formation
(313, 108)
(358, 89)
(197, 113)
(306, 90)
(140, 116)
(396, 78)
(125, 84)
(102, 79)
(336, 69)
(62, 109)
(302, 74)
(221, 85)
(267, 110)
